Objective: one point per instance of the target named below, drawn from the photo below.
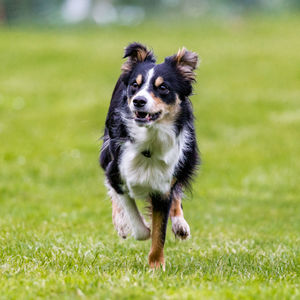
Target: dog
(149, 146)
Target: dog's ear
(186, 62)
(136, 53)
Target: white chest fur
(143, 175)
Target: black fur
(186, 169)
(115, 135)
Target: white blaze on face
(143, 92)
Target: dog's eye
(163, 88)
(134, 87)
(134, 84)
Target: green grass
(56, 235)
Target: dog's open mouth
(144, 117)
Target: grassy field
(56, 235)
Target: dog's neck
(150, 156)
(153, 140)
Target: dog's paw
(122, 224)
(156, 260)
(141, 233)
(123, 230)
(180, 228)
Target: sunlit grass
(56, 235)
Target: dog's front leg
(180, 227)
(140, 230)
(126, 216)
(160, 214)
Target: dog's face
(155, 92)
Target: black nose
(139, 102)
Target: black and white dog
(149, 150)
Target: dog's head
(155, 91)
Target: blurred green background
(58, 70)
(130, 12)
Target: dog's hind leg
(180, 227)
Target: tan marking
(139, 79)
(186, 62)
(176, 210)
(180, 54)
(156, 255)
(169, 111)
(158, 81)
(142, 54)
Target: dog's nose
(139, 102)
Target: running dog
(149, 146)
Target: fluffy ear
(186, 62)
(136, 53)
